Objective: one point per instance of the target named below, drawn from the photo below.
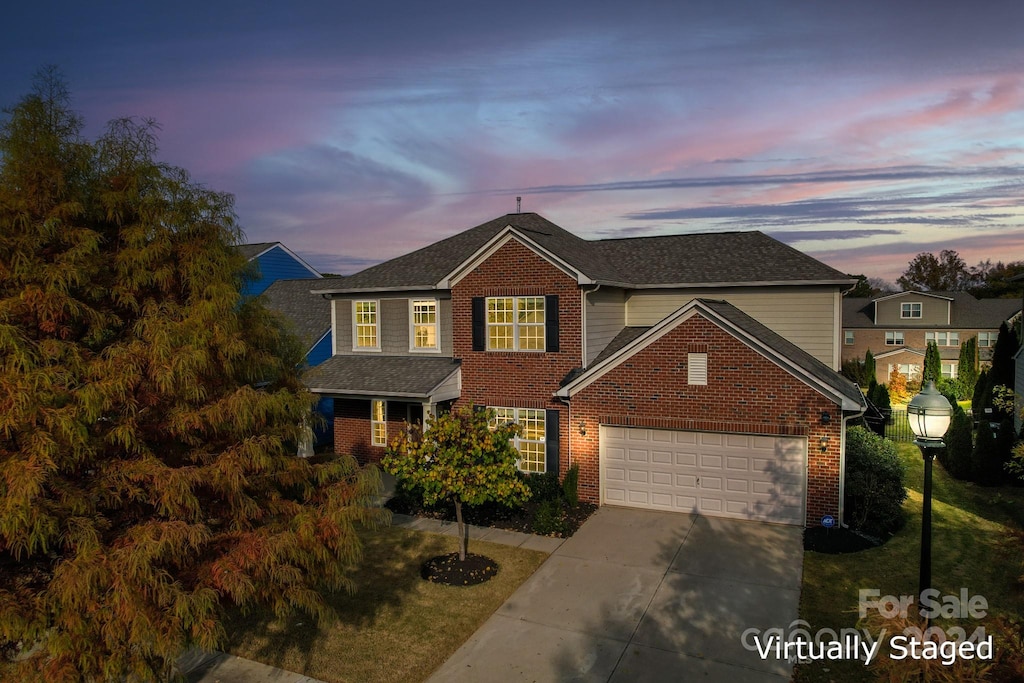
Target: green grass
(976, 544)
(396, 626)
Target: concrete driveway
(643, 596)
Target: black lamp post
(929, 414)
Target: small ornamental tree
(898, 391)
(461, 458)
(869, 368)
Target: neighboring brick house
(897, 328)
(694, 373)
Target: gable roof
(966, 312)
(251, 251)
(671, 260)
(309, 314)
(748, 330)
(256, 249)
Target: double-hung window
(949, 370)
(423, 323)
(531, 442)
(378, 423)
(848, 337)
(943, 338)
(365, 325)
(515, 323)
(910, 310)
(894, 338)
(987, 339)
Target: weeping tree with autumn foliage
(148, 415)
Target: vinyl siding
(804, 315)
(276, 264)
(393, 325)
(605, 316)
(320, 352)
(933, 311)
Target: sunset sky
(859, 132)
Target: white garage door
(726, 475)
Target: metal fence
(897, 427)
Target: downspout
(842, 464)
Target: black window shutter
(551, 322)
(551, 436)
(479, 324)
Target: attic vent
(697, 368)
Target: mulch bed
(497, 516)
(450, 571)
(837, 541)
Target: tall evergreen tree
(1002, 357)
(932, 364)
(967, 365)
(148, 417)
(869, 367)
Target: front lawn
(976, 544)
(396, 627)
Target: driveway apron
(641, 596)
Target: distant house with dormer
(896, 328)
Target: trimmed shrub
(874, 484)
(571, 486)
(984, 455)
(548, 518)
(543, 486)
(958, 455)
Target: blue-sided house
(270, 262)
(285, 281)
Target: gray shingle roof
(251, 251)
(380, 375)
(966, 312)
(706, 258)
(309, 314)
(623, 338)
(723, 257)
(786, 349)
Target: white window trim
(436, 348)
(990, 339)
(355, 329)
(910, 305)
(894, 333)
(848, 337)
(517, 440)
(373, 423)
(945, 335)
(515, 324)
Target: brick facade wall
(352, 427)
(746, 393)
(520, 379)
(873, 339)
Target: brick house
(897, 328)
(687, 372)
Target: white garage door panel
(731, 475)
